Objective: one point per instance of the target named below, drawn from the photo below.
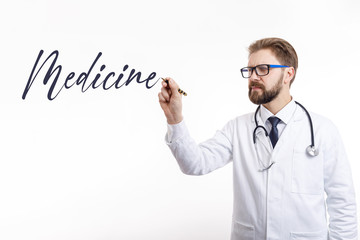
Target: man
(279, 181)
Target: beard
(267, 95)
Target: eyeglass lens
(260, 70)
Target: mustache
(256, 84)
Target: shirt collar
(284, 114)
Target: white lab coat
(287, 201)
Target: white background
(94, 165)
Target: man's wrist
(174, 121)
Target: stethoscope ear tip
(312, 151)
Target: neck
(278, 103)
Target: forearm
(198, 159)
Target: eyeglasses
(260, 70)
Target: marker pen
(179, 90)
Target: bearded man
(290, 166)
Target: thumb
(173, 85)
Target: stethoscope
(311, 149)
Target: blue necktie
(274, 134)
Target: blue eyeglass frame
(269, 66)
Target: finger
(164, 84)
(173, 86)
(161, 98)
(166, 93)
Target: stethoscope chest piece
(312, 151)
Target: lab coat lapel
(287, 139)
(262, 138)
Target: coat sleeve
(341, 202)
(199, 159)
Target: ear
(289, 74)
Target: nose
(253, 76)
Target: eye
(262, 69)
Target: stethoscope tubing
(311, 124)
(311, 147)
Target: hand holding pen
(171, 101)
(179, 89)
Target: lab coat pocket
(242, 231)
(307, 173)
(320, 235)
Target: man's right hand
(171, 101)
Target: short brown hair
(284, 52)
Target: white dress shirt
(284, 115)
